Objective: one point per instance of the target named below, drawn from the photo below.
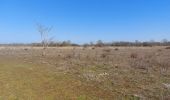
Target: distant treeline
(99, 43)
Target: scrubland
(85, 73)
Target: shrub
(107, 50)
(167, 48)
(159, 50)
(26, 49)
(133, 55)
(93, 48)
(141, 63)
(103, 56)
(116, 49)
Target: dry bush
(107, 50)
(144, 62)
(167, 48)
(133, 55)
(149, 61)
(116, 49)
(164, 65)
(140, 64)
(93, 48)
(159, 50)
(26, 49)
(69, 56)
(103, 55)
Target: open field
(77, 73)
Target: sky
(83, 21)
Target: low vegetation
(90, 73)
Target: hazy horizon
(83, 21)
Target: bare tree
(44, 32)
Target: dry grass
(72, 73)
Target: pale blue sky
(85, 20)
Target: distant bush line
(99, 43)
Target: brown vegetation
(77, 73)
